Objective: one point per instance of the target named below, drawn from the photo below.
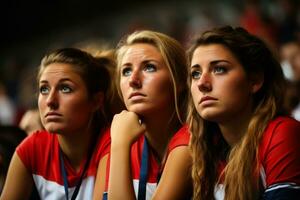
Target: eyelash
(196, 74)
(42, 88)
(61, 88)
(126, 71)
(224, 70)
(151, 67)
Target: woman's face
(64, 103)
(145, 80)
(220, 87)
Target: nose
(52, 100)
(135, 80)
(205, 83)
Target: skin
(65, 108)
(149, 78)
(147, 91)
(221, 90)
(99, 187)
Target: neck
(75, 147)
(233, 130)
(159, 131)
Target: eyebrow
(211, 63)
(144, 62)
(61, 80)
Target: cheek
(123, 84)
(195, 92)
(123, 87)
(237, 92)
(159, 84)
(151, 80)
(79, 109)
(41, 103)
(164, 89)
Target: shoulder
(282, 134)
(280, 151)
(180, 138)
(104, 135)
(281, 128)
(103, 143)
(283, 123)
(35, 147)
(38, 138)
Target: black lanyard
(65, 178)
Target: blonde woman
(242, 146)
(149, 156)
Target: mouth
(52, 114)
(136, 95)
(207, 98)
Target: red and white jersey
(279, 157)
(40, 154)
(180, 138)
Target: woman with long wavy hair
(243, 147)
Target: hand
(126, 128)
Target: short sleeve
(33, 147)
(281, 156)
(103, 146)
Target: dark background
(31, 28)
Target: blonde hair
(241, 175)
(174, 57)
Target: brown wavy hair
(241, 175)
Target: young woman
(61, 162)
(149, 156)
(242, 147)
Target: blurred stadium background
(29, 29)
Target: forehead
(141, 51)
(212, 52)
(60, 71)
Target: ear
(257, 81)
(98, 101)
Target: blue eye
(126, 71)
(65, 89)
(150, 68)
(220, 70)
(44, 90)
(196, 74)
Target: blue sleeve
(287, 191)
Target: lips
(52, 114)
(136, 94)
(207, 98)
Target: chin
(53, 129)
(209, 115)
(138, 109)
